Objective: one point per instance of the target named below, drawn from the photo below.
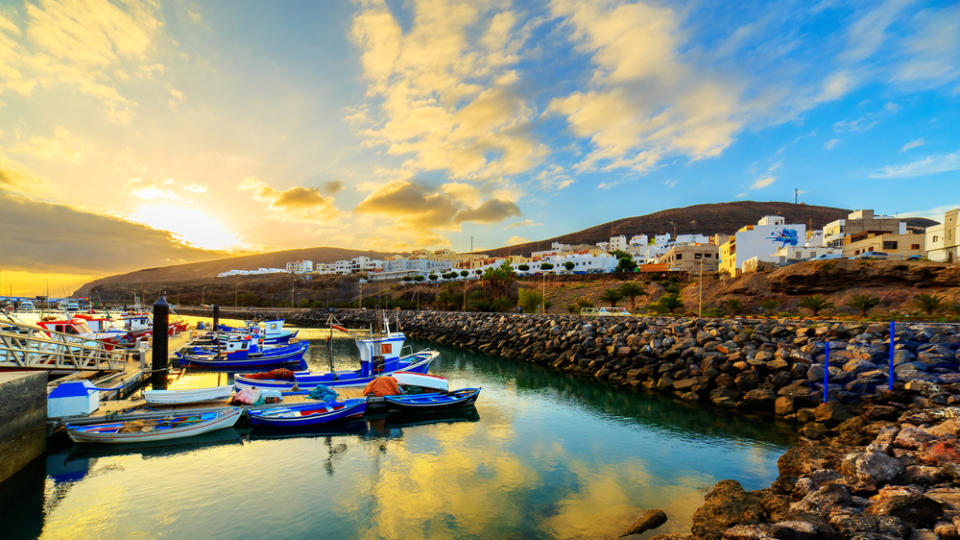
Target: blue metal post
(826, 370)
(893, 340)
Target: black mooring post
(161, 325)
(216, 327)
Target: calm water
(543, 455)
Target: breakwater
(871, 463)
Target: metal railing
(24, 346)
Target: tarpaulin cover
(273, 374)
(247, 396)
(382, 386)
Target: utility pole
(293, 293)
(236, 296)
(700, 308)
(360, 283)
(203, 295)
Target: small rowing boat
(432, 402)
(251, 357)
(308, 414)
(181, 397)
(154, 429)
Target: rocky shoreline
(870, 463)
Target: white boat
(182, 397)
(424, 380)
(154, 429)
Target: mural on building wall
(786, 237)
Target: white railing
(25, 346)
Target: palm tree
(732, 306)
(863, 303)
(928, 303)
(632, 290)
(770, 305)
(815, 303)
(613, 296)
(670, 302)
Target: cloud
(858, 124)
(61, 147)
(514, 240)
(936, 213)
(929, 165)
(151, 189)
(869, 32)
(524, 223)
(931, 56)
(441, 92)
(297, 203)
(763, 182)
(554, 178)
(197, 188)
(916, 143)
(647, 101)
(45, 237)
(491, 211)
(91, 47)
(15, 177)
(830, 144)
(672, 183)
(419, 211)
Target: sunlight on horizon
(190, 226)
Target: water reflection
(541, 455)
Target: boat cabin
(77, 327)
(380, 353)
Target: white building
(943, 241)
(617, 243)
(761, 241)
(257, 272)
(692, 239)
(639, 240)
(300, 267)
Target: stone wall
(23, 417)
(764, 366)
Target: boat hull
(308, 414)
(418, 363)
(181, 397)
(293, 356)
(464, 397)
(109, 434)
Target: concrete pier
(23, 417)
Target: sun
(189, 225)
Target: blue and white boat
(271, 333)
(155, 429)
(379, 356)
(308, 414)
(433, 402)
(244, 355)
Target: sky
(139, 133)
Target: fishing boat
(432, 402)
(272, 332)
(79, 327)
(182, 397)
(247, 356)
(154, 429)
(308, 414)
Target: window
(915, 246)
(385, 348)
(679, 256)
(890, 245)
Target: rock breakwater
(870, 463)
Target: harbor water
(543, 455)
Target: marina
(523, 447)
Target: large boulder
(725, 506)
(651, 519)
(872, 466)
(914, 509)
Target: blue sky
(397, 125)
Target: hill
(209, 269)
(707, 219)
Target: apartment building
(942, 242)
(761, 241)
(692, 258)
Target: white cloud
(763, 182)
(524, 223)
(514, 240)
(916, 143)
(152, 190)
(441, 91)
(936, 214)
(63, 146)
(197, 188)
(671, 183)
(830, 144)
(647, 101)
(929, 165)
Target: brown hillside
(209, 269)
(702, 218)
